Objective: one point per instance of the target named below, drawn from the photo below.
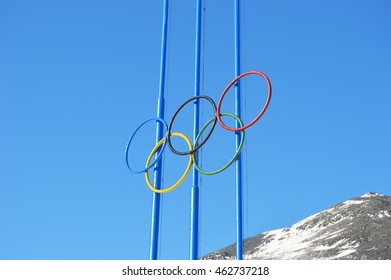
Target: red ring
(269, 95)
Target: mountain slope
(359, 228)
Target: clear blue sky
(77, 77)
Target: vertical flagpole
(239, 188)
(155, 219)
(195, 190)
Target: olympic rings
(239, 149)
(269, 94)
(184, 174)
(159, 155)
(207, 136)
(192, 151)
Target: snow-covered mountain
(357, 229)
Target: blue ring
(159, 155)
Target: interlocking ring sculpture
(193, 148)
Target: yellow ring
(184, 174)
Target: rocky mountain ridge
(357, 229)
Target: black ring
(207, 136)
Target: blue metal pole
(239, 188)
(195, 190)
(156, 203)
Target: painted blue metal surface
(238, 165)
(195, 190)
(156, 199)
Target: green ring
(193, 156)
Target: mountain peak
(359, 228)
(372, 194)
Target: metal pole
(195, 190)
(156, 203)
(239, 188)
